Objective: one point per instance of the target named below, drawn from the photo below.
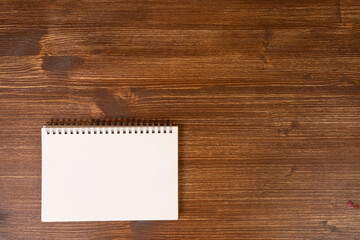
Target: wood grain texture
(266, 94)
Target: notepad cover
(111, 176)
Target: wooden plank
(266, 95)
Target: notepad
(109, 173)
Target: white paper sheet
(108, 177)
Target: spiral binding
(79, 127)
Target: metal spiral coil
(110, 126)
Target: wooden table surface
(266, 95)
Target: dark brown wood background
(266, 94)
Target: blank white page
(109, 176)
